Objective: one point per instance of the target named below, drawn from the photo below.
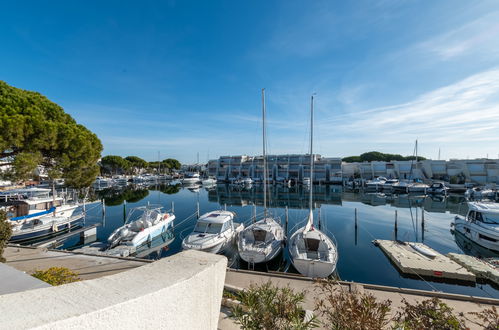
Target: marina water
(359, 260)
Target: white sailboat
(312, 252)
(262, 240)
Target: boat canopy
(217, 217)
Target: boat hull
(44, 231)
(487, 238)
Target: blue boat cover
(52, 209)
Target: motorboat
(142, 225)
(211, 180)
(312, 252)
(214, 232)
(481, 224)
(477, 193)
(120, 180)
(418, 187)
(262, 240)
(191, 178)
(37, 228)
(306, 181)
(376, 184)
(102, 182)
(438, 188)
(388, 184)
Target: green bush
(428, 314)
(269, 307)
(342, 309)
(56, 275)
(5, 233)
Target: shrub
(428, 314)
(5, 233)
(56, 275)
(489, 318)
(269, 307)
(342, 309)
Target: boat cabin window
(208, 228)
(491, 218)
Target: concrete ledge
(183, 291)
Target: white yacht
(43, 226)
(376, 184)
(388, 184)
(481, 224)
(438, 188)
(312, 252)
(102, 182)
(120, 180)
(142, 225)
(28, 204)
(209, 181)
(480, 193)
(418, 187)
(191, 178)
(214, 232)
(262, 240)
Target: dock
(411, 262)
(480, 268)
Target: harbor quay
(296, 167)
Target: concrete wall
(180, 292)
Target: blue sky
(183, 77)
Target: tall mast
(311, 158)
(416, 151)
(264, 158)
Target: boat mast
(264, 158)
(310, 223)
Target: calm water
(359, 259)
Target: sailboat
(262, 240)
(312, 252)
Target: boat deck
(412, 262)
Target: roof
(217, 216)
(486, 207)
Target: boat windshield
(491, 218)
(208, 227)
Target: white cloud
(466, 111)
(479, 36)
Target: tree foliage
(35, 131)
(114, 164)
(136, 163)
(378, 156)
(5, 233)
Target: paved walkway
(88, 267)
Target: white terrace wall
(180, 292)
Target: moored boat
(481, 224)
(214, 232)
(143, 224)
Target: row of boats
(406, 186)
(313, 253)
